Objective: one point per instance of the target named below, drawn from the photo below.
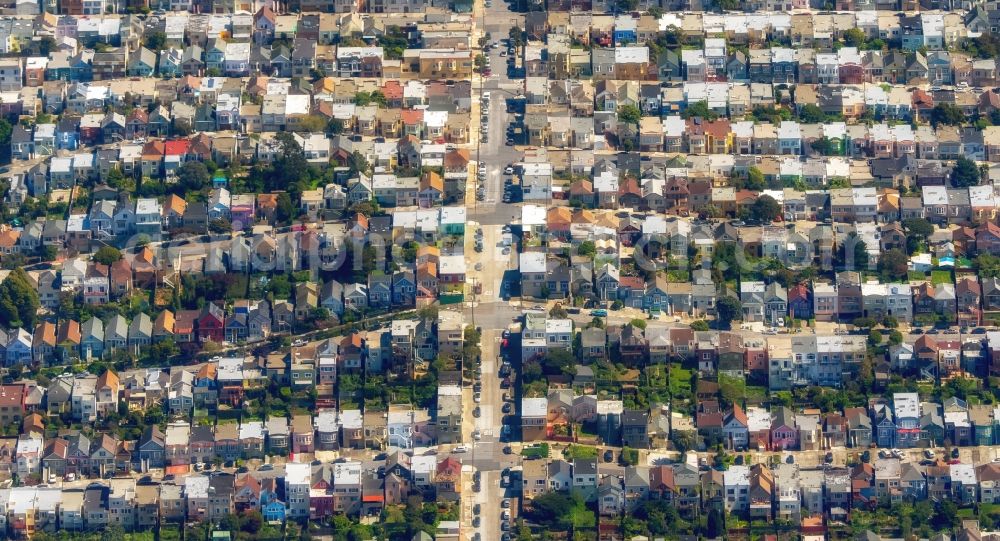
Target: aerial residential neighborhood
(491, 270)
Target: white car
(460, 449)
(509, 170)
(477, 435)
(477, 398)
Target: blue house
(92, 339)
(68, 133)
(18, 350)
(271, 508)
(625, 30)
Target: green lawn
(579, 451)
(941, 277)
(680, 381)
(540, 450)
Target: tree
(824, 146)
(193, 176)
(810, 113)
(700, 110)
(629, 114)
(638, 323)
(874, 338)
(765, 209)
(987, 265)
(285, 209)
(5, 131)
(947, 114)
(770, 114)
(558, 361)
(220, 226)
(18, 301)
(895, 338)
(516, 36)
(358, 163)
(683, 440)
(918, 230)
(362, 99)
(984, 46)
(854, 37)
(852, 253)
(155, 40)
(892, 265)
(965, 173)
(586, 248)
(755, 180)
(290, 167)
(313, 124)
(727, 309)
(107, 255)
(715, 525)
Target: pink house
(242, 209)
(303, 434)
(784, 433)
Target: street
(486, 309)
(494, 155)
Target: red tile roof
(177, 147)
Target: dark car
(829, 457)
(609, 455)
(507, 450)
(979, 330)
(506, 408)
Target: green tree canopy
(193, 176)
(965, 173)
(155, 40)
(727, 309)
(947, 114)
(700, 110)
(765, 209)
(18, 301)
(107, 255)
(854, 37)
(755, 180)
(629, 114)
(810, 113)
(892, 265)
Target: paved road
(495, 155)
(486, 309)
